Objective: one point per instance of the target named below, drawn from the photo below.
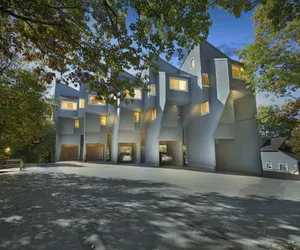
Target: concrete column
(115, 134)
(84, 138)
(57, 143)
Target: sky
(229, 33)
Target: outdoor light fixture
(7, 150)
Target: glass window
(178, 84)
(204, 108)
(137, 94)
(102, 120)
(152, 89)
(81, 103)
(136, 116)
(236, 71)
(153, 114)
(192, 63)
(94, 101)
(205, 80)
(68, 105)
(283, 167)
(269, 165)
(76, 123)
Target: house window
(81, 103)
(269, 165)
(178, 84)
(236, 72)
(153, 114)
(65, 105)
(137, 94)
(136, 116)
(205, 108)
(283, 167)
(152, 89)
(192, 63)
(205, 80)
(102, 120)
(76, 123)
(93, 100)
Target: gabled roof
(296, 157)
(274, 144)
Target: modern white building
(203, 105)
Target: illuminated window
(81, 103)
(137, 94)
(136, 116)
(236, 72)
(68, 105)
(204, 108)
(94, 101)
(192, 63)
(76, 123)
(153, 114)
(102, 120)
(205, 80)
(153, 89)
(178, 84)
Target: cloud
(230, 48)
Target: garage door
(95, 152)
(69, 152)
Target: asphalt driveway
(90, 206)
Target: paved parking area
(91, 206)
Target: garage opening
(94, 152)
(69, 152)
(129, 152)
(171, 152)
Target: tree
(41, 148)
(24, 107)
(87, 40)
(272, 61)
(282, 121)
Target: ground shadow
(54, 211)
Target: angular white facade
(201, 105)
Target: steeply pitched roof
(273, 144)
(296, 157)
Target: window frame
(202, 114)
(89, 102)
(204, 85)
(129, 97)
(152, 84)
(177, 78)
(138, 115)
(75, 122)
(267, 163)
(240, 67)
(286, 165)
(68, 108)
(105, 120)
(153, 111)
(192, 65)
(81, 101)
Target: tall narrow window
(136, 116)
(192, 63)
(152, 89)
(93, 100)
(178, 84)
(205, 80)
(65, 105)
(153, 114)
(204, 108)
(102, 120)
(81, 103)
(76, 123)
